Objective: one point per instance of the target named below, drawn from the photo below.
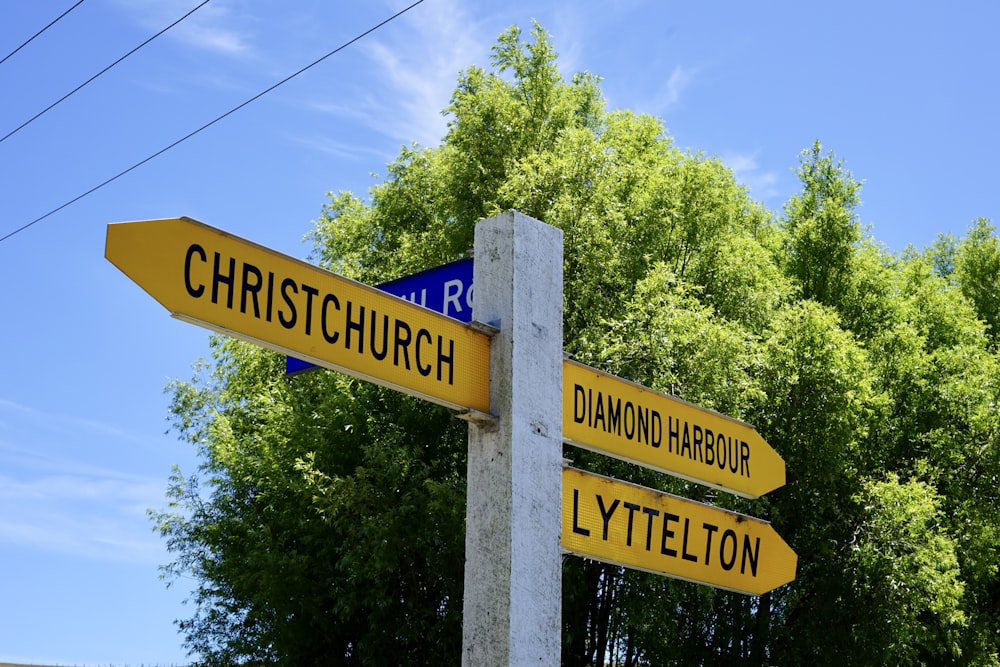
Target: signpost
(624, 524)
(512, 605)
(508, 385)
(219, 281)
(613, 416)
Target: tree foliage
(326, 521)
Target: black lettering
(590, 407)
(606, 514)
(310, 293)
(270, 295)
(218, 277)
(403, 337)
(685, 442)
(614, 415)
(599, 413)
(290, 322)
(579, 397)
(684, 543)
(744, 458)
(712, 529)
(355, 325)
(649, 526)
(327, 300)
(727, 534)
(747, 555)
(422, 334)
(697, 440)
(632, 507)
(196, 292)
(629, 420)
(576, 526)
(709, 446)
(252, 288)
(446, 359)
(657, 429)
(667, 534)
(372, 343)
(673, 434)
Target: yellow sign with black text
(236, 287)
(613, 416)
(616, 522)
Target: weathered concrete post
(513, 563)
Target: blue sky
(905, 93)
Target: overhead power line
(54, 21)
(61, 99)
(210, 123)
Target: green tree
(977, 268)
(822, 229)
(322, 526)
(817, 392)
(908, 570)
(326, 522)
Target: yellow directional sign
(613, 416)
(624, 524)
(219, 281)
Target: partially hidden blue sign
(445, 289)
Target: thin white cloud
(213, 27)
(206, 35)
(360, 109)
(763, 184)
(86, 515)
(419, 69)
(416, 62)
(340, 149)
(53, 501)
(673, 88)
(569, 36)
(52, 422)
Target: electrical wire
(210, 123)
(56, 20)
(63, 98)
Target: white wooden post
(513, 563)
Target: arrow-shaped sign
(621, 523)
(613, 416)
(219, 281)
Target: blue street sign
(444, 289)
